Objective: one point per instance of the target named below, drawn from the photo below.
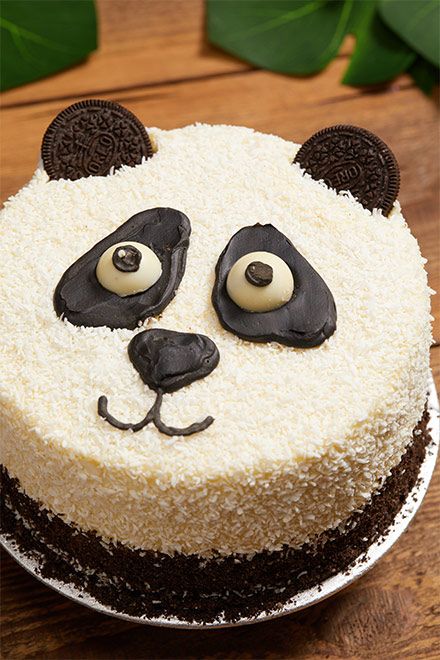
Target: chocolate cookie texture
(351, 158)
(304, 321)
(82, 300)
(90, 138)
(166, 361)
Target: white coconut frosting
(301, 438)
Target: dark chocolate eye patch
(307, 319)
(81, 298)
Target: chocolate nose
(168, 360)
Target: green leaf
(425, 75)
(288, 36)
(379, 54)
(39, 37)
(417, 22)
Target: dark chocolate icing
(166, 361)
(307, 320)
(169, 360)
(259, 274)
(81, 299)
(130, 260)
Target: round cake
(188, 439)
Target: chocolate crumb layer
(139, 582)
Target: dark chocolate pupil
(259, 274)
(127, 258)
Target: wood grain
(154, 58)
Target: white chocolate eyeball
(260, 297)
(128, 282)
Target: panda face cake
(214, 360)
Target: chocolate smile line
(153, 415)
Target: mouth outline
(153, 415)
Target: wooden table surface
(154, 58)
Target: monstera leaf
(280, 35)
(417, 23)
(379, 54)
(40, 37)
(301, 37)
(424, 74)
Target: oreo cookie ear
(349, 158)
(92, 137)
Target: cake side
(301, 438)
(145, 583)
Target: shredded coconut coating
(301, 438)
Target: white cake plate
(304, 598)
